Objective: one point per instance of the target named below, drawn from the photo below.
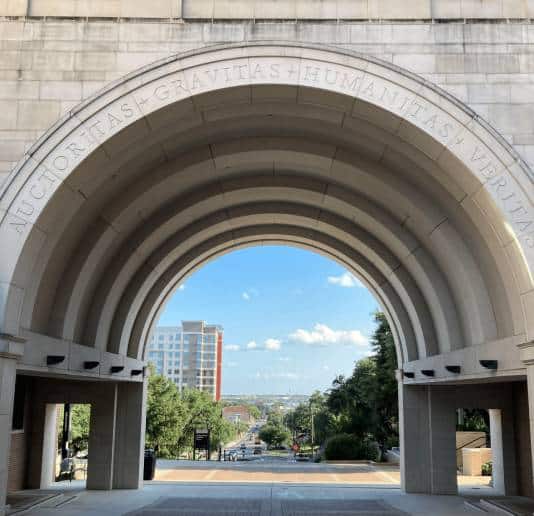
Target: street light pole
(312, 430)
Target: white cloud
(264, 375)
(273, 344)
(252, 345)
(231, 364)
(248, 294)
(231, 347)
(284, 359)
(346, 280)
(323, 335)
(182, 287)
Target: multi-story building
(190, 355)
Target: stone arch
(365, 144)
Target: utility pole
(312, 430)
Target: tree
(386, 402)
(274, 434)
(165, 414)
(365, 404)
(80, 416)
(254, 411)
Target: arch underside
(273, 164)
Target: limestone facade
(136, 146)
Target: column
(10, 350)
(48, 460)
(130, 435)
(102, 432)
(414, 439)
(526, 351)
(427, 422)
(442, 417)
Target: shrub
(349, 447)
(487, 469)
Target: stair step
(474, 505)
(499, 507)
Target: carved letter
(275, 71)
(257, 71)
(61, 163)
(161, 92)
(127, 111)
(75, 149)
(328, 79)
(28, 211)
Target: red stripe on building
(219, 365)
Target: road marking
(211, 474)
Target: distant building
(190, 355)
(237, 413)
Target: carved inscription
(179, 85)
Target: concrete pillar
(427, 440)
(102, 431)
(130, 436)
(527, 356)
(49, 451)
(495, 417)
(503, 451)
(10, 350)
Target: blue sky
(292, 319)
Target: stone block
(61, 90)
(203, 9)
(98, 61)
(329, 33)
(223, 32)
(19, 90)
(491, 63)
(512, 118)
(275, 9)
(52, 60)
(418, 63)
(486, 9)
(393, 9)
(8, 120)
(316, 9)
(37, 114)
(488, 93)
(11, 150)
(446, 9)
(153, 9)
(13, 7)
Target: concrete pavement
(215, 499)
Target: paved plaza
(267, 486)
(262, 499)
(279, 470)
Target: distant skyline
(293, 320)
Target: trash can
(150, 465)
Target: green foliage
(349, 447)
(363, 405)
(172, 418)
(474, 420)
(275, 434)
(254, 411)
(80, 416)
(165, 415)
(487, 469)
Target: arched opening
(237, 146)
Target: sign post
(201, 442)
